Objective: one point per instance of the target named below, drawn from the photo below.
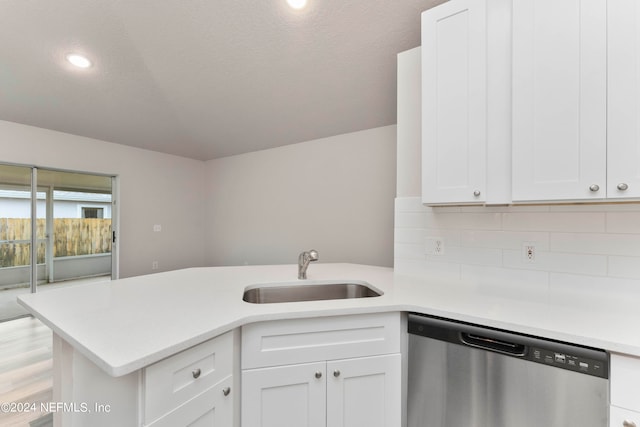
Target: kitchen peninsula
(116, 330)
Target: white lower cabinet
(284, 396)
(619, 417)
(340, 393)
(348, 375)
(213, 407)
(625, 391)
(192, 388)
(364, 392)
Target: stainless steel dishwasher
(464, 375)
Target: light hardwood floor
(25, 368)
(9, 307)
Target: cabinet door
(559, 99)
(625, 377)
(454, 115)
(213, 408)
(364, 392)
(284, 396)
(619, 417)
(623, 99)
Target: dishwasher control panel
(570, 361)
(557, 354)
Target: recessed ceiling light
(79, 60)
(297, 4)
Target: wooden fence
(71, 237)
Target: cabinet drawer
(214, 407)
(177, 379)
(619, 417)
(625, 382)
(284, 342)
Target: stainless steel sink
(315, 291)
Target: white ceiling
(204, 78)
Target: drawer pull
(318, 374)
(196, 373)
(226, 391)
(336, 373)
(622, 186)
(627, 423)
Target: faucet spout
(304, 259)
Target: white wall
(579, 247)
(334, 195)
(155, 188)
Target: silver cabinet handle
(622, 186)
(476, 193)
(627, 423)
(318, 374)
(594, 187)
(196, 373)
(226, 391)
(336, 373)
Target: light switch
(157, 227)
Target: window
(92, 212)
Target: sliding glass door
(15, 238)
(67, 216)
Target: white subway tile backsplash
(409, 204)
(472, 256)
(464, 221)
(577, 284)
(555, 221)
(623, 222)
(438, 270)
(519, 208)
(590, 246)
(450, 237)
(624, 267)
(410, 220)
(445, 209)
(596, 207)
(504, 239)
(409, 251)
(408, 235)
(596, 243)
(595, 265)
(504, 276)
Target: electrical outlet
(157, 228)
(154, 265)
(434, 246)
(529, 252)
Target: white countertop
(127, 324)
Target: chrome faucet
(303, 262)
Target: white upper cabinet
(530, 101)
(466, 103)
(576, 100)
(559, 99)
(454, 99)
(623, 99)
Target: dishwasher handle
(493, 344)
